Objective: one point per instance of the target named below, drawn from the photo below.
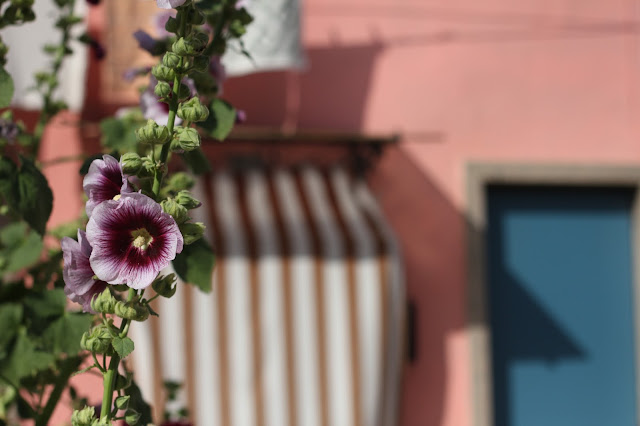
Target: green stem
(173, 109)
(112, 373)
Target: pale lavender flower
(131, 73)
(104, 181)
(80, 285)
(132, 239)
(160, 21)
(169, 4)
(145, 41)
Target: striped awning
(305, 323)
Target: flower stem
(173, 109)
(112, 373)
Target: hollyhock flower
(132, 240)
(148, 43)
(80, 285)
(169, 4)
(131, 73)
(104, 181)
(160, 21)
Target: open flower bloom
(80, 285)
(169, 4)
(103, 182)
(132, 240)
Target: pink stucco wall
(533, 81)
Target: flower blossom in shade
(169, 4)
(104, 181)
(153, 108)
(79, 283)
(132, 240)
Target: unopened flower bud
(188, 138)
(84, 417)
(171, 60)
(122, 402)
(97, 340)
(152, 133)
(162, 90)
(131, 163)
(131, 417)
(163, 73)
(133, 310)
(179, 181)
(172, 25)
(184, 92)
(193, 110)
(148, 167)
(201, 63)
(192, 232)
(104, 303)
(178, 212)
(196, 17)
(185, 199)
(165, 286)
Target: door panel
(561, 306)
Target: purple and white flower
(169, 4)
(104, 181)
(80, 285)
(132, 240)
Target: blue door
(561, 306)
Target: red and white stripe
(304, 326)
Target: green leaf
(195, 264)
(119, 134)
(197, 161)
(22, 247)
(10, 318)
(35, 199)
(24, 360)
(222, 117)
(8, 173)
(46, 304)
(64, 334)
(122, 345)
(6, 88)
(139, 404)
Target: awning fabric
(305, 325)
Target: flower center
(141, 238)
(117, 197)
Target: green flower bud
(192, 232)
(131, 163)
(193, 111)
(196, 17)
(165, 286)
(178, 212)
(133, 310)
(152, 133)
(122, 402)
(183, 47)
(163, 73)
(171, 60)
(123, 382)
(179, 181)
(104, 303)
(201, 63)
(184, 92)
(131, 417)
(188, 138)
(163, 90)
(83, 417)
(172, 25)
(98, 340)
(200, 40)
(148, 167)
(185, 199)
